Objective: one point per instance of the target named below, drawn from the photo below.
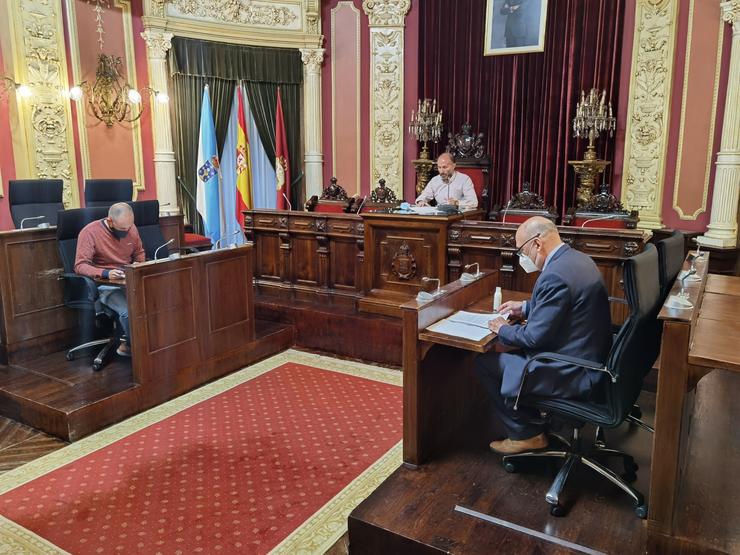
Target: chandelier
(24, 91)
(426, 124)
(110, 99)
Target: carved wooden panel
(403, 260)
(170, 311)
(267, 260)
(33, 311)
(304, 259)
(342, 263)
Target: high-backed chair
(146, 219)
(105, 192)
(522, 206)
(602, 210)
(35, 200)
(468, 149)
(80, 292)
(333, 199)
(633, 353)
(670, 259)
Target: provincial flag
(282, 165)
(209, 176)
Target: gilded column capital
(312, 58)
(731, 13)
(386, 13)
(157, 42)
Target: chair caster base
(641, 511)
(509, 467)
(69, 356)
(557, 510)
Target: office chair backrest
(69, 225)
(670, 260)
(35, 197)
(637, 344)
(105, 192)
(146, 218)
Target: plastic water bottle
(497, 299)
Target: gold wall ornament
(423, 167)
(246, 12)
(593, 117)
(386, 89)
(46, 142)
(648, 114)
(426, 124)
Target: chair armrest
(79, 291)
(582, 362)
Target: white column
(722, 229)
(314, 157)
(158, 43)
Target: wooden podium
(401, 249)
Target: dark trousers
(115, 299)
(519, 424)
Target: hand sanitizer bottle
(497, 299)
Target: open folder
(468, 325)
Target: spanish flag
(243, 165)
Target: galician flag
(282, 165)
(243, 164)
(209, 176)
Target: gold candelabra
(426, 124)
(110, 98)
(593, 117)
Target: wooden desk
(440, 394)
(680, 371)
(725, 285)
(715, 306)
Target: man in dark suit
(568, 313)
(516, 22)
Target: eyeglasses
(518, 251)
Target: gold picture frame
(515, 27)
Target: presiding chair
(36, 201)
(633, 353)
(106, 192)
(81, 292)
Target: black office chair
(80, 292)
(670, 260)
(633, 353)
(36, 201)
(146, 219)
(105, 192)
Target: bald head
(120, 216)
(539, 237)
(446, 166)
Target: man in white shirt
(449, 187)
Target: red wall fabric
(523, 103)
(7, 164)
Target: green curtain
(195, 63)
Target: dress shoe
(124, 350)
(514, 446)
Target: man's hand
(513, 307)
(116, 274)
(497, 324)
(421, 203)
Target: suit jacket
(567, 314)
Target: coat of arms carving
(403, 265)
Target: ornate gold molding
(157, 44)
(649, 109)
(82, 115)
(312, 58)
(681, 135)
(346, 4)
(386, 90)
(245, 12)
(39, 61)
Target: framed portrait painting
(515, 26)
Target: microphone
(362, 204)
(290, 206)
(156, 252)
(24, 220)
(608, 217)
(506, 209)
(218, 242)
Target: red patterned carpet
(236, 473)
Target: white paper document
(468, 325)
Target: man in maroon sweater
(103, 248)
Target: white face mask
(527, 264)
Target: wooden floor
(413, 510)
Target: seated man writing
(567, 314)
(449, 187)
(103, 248)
